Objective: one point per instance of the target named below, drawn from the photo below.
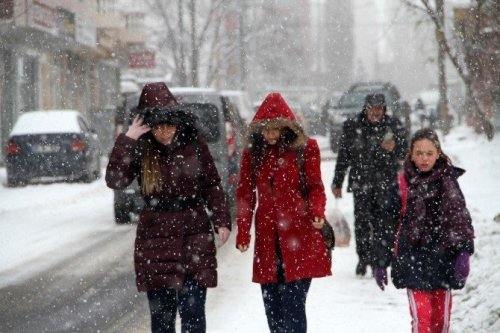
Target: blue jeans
(285, 303)
(190, 300)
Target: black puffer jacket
(360, 150)
(374, 170)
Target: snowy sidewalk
(340, 303)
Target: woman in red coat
(175, 254)
(289, 249)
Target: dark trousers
(285, 303)
(368, 212)
(190, 301)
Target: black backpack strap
(302, 173)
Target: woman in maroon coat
(289, 249)
(175, 254)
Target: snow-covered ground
(38, 219)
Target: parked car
(315, 119)
(127, 202)
(218, 146)
(241, 101)
(216, 125)
(236, 129)
(351, 103)
(52, 145)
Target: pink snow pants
(430, 310)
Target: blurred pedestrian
(372, 145)
(435, 237)
(175, 253)
(289, 249)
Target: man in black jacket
(372, 145)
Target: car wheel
(15, 182)
(97, 172)
(122, 215)
(87, 177)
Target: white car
(242, 102)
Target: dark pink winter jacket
(172, 244)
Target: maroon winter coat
(171, 244)
(435, 228)
(283, 217)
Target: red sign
(141, 59)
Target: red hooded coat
(283, 216)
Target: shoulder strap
(403, 190)
(302, 172)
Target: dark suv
(351, 103)
(218, 127)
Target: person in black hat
(175, 252)
(372, 147)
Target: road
(92, 291)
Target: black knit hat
(375, 100)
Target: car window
(356, 99)
(208, 120)
(83, 125)
(353, 99)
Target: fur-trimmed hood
(274, 111)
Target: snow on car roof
(47, 122)
(179, 90)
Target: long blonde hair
(151, 178)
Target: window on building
(134, 21)
(106, 6)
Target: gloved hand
(462, 267)
(381, 277)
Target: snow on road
(59, 219)
(62, 218)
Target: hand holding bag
(328, 236)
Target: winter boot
(361, 269)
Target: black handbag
(328, 236)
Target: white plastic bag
(340, 227)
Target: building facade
(60, 54)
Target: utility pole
(242, 44)
(182, 61)
(194, 47)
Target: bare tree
(181, 45)
(435, 12)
